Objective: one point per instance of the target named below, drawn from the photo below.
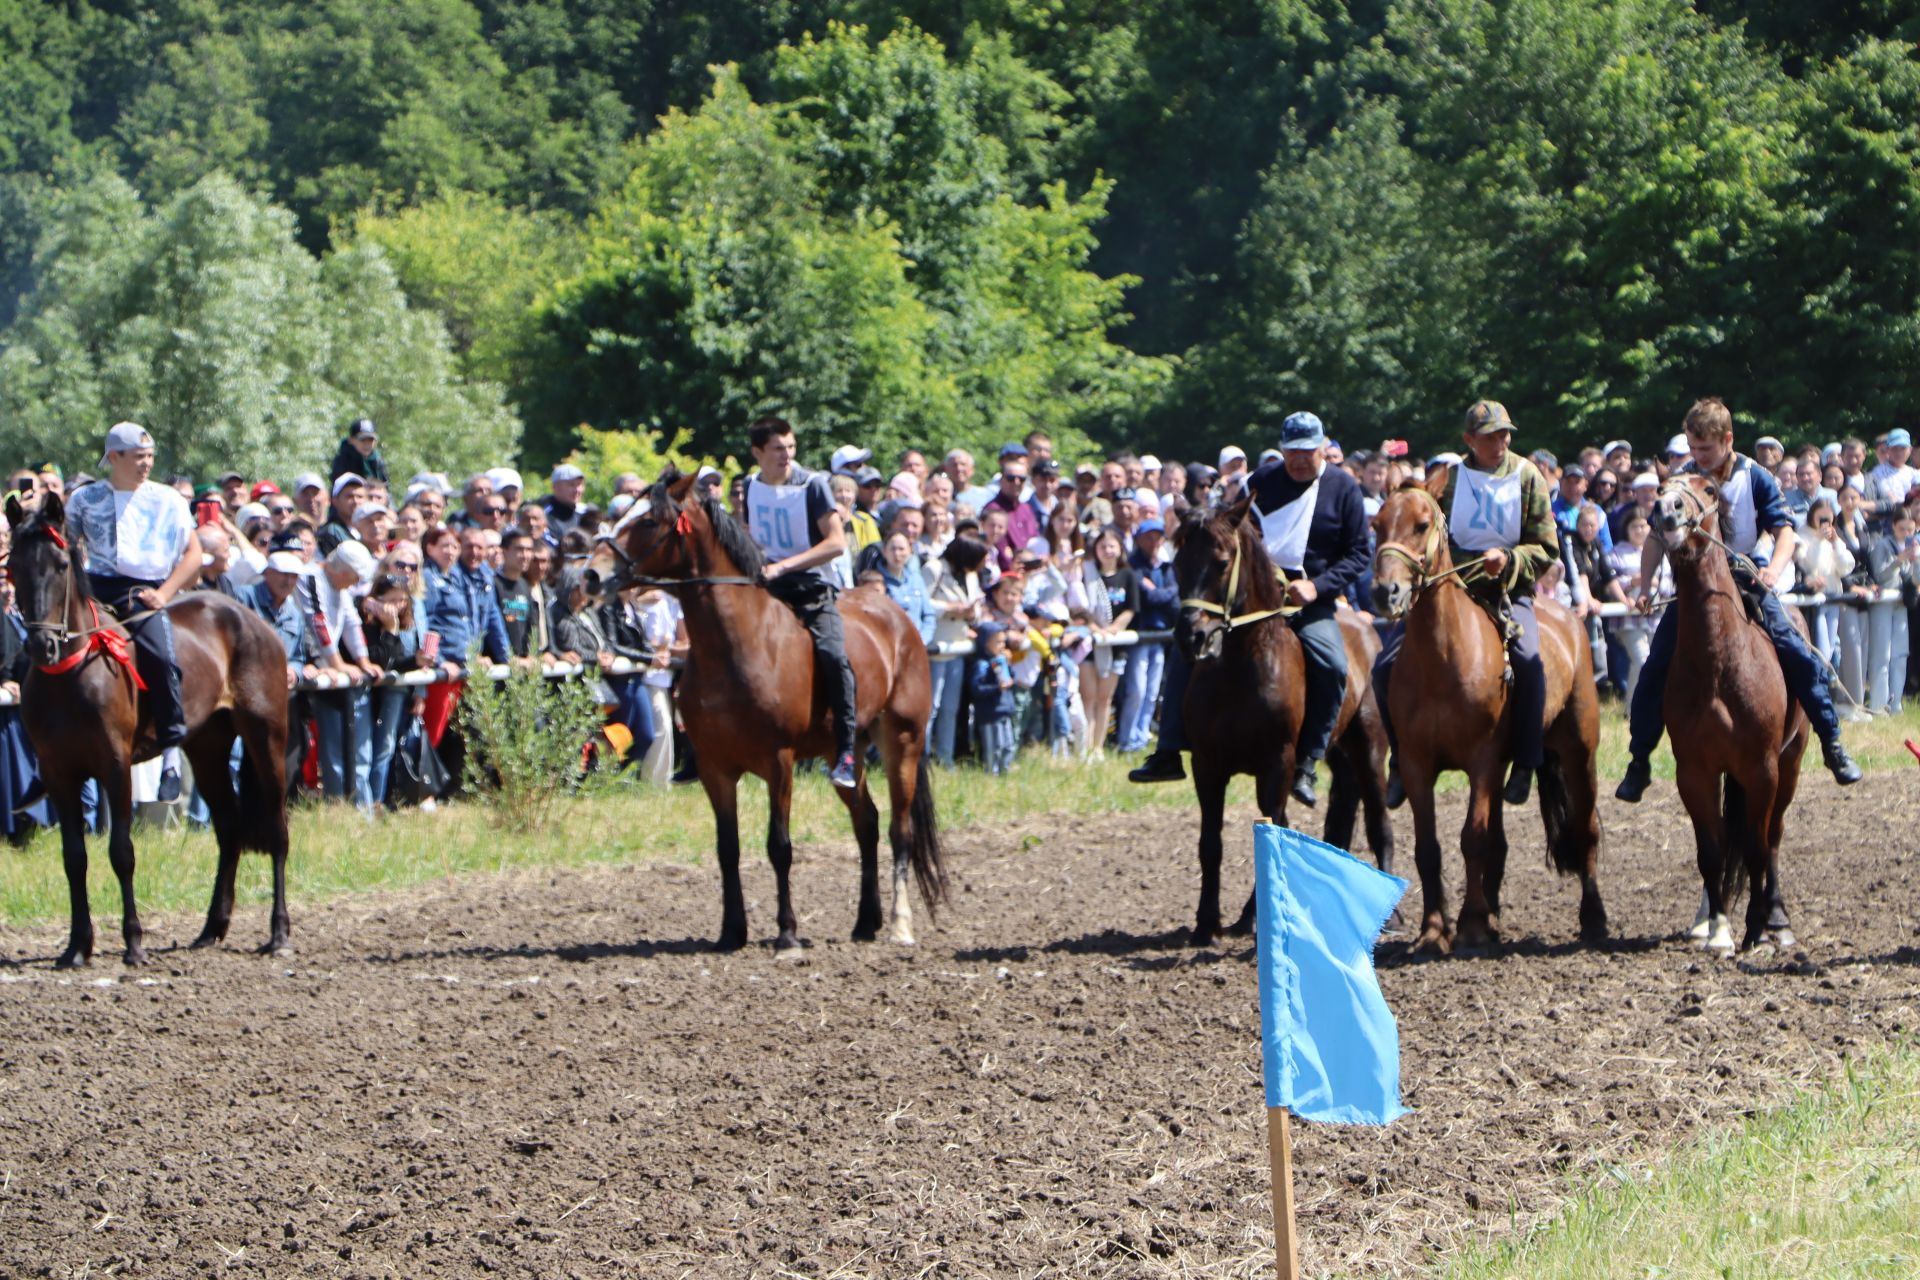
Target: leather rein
(628, 578)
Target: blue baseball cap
(1013, 449)
(1900, 438)
(1302, 431)
(1149, 526)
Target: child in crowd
(993, 698)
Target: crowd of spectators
(1018, 578)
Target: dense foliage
(901, 221)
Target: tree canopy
(1166, 225)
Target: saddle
(1499, 612)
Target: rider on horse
(792, 515)
(1324, 504)
(1314, 526)
(1500, 517)
(141, 552)
(1750, 505)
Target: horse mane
(727, 531)
(1258, 580)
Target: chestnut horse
(751, 703)
(1247, 694)
(1449, 700)
(1730, 717)
(85, 720)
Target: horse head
(1687, 512)
(1217, 562)
(1410, 540)
(44, 573)
(672, 533)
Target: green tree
(207, 321)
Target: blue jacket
(285, 618)
(990, 701)
(462, 608)
(1159, 595)
(910, 593)
(1337, 550)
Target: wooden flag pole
(1286, 1252)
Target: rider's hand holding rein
(1301, 591)
(1495, 562)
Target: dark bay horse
(751, 703)
(1731, 720)
(85, 720)
(1247, 694)
(1449, 701)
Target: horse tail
(1733, 845)
(1566, 853)
(923, 850)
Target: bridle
(1698, 521)
(628, 578)
(102, 637)
(1420, 563)
(1225, 612)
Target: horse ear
(53, 509)
(1436, 485)
(16, 514)
(680, 486)
(1238, 511)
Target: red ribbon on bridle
(99, 640)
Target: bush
(525, 737)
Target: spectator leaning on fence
(1159, 610)
(395, 631)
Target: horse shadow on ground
(1393, 953)
(1150, 952)
(573, 952)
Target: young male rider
(1750, 505)
(141, 553)
(1500, 510)
(792, 516)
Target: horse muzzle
(44, 646)
(1391, 599)
(1199, 641)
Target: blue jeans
(949, 677)
(1060, 714)
(389, 722)
(1325, 648)
(1139, 689)
(343, 721)
(997, 744)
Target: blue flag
(1331, 1047)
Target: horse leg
(1494, 865)
(780, 848)
(1366, 756)
(1779, 931)
(117, 790)
(866, 832)
(1343, 799)
(65, 794)
(1434, 935)
(1210, 788)
(1760, 800)
(264, 760)
(1477, 928)
(1271, 790)
(209, 754)
(902, 750)
(1578, 774)
(1700, 791)
(723, 793)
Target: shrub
(525, 737)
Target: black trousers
(153, 654)
(812, 600)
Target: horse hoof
(135, 957)
(1431, 942)
(73, 960)
(1782, 939)
(729, 942)
(789, 942)
(1720, 939)
(1198, 937)
(865, 935)
(206, 940)
(280, 949)
(1700, 930)
(902, 938)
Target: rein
(1698, 522)
(628, 578)
(1436, 535)
(102, 637)
(1228, 618)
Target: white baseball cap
(1613, 445)
(1149, 463)
(287, 562)
(352, 555)
(124, 437)
(848, 457)
(346, 478)
(1679, 444)
(1645, 480)
(504, 478)
(566, 471)
(1232, 453)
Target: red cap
(264, 487)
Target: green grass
(1824, 1188)
(336, 852)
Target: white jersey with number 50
(785, 518)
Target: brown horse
(1731, 717)
(85, 720)
(1247, 693)
(1448, 701)
(751, 704)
